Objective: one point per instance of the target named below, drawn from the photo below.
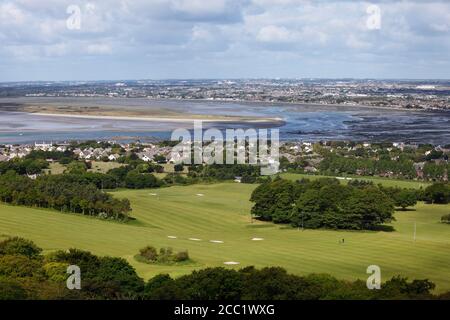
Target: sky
(53, 40)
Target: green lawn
(222, 213)
(55, 168)
(104, 167)
(384, 181)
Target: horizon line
(231, 78)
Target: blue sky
(160, 39)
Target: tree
(211, 284)
(162, 287)
(405, 198)
(438, 193)
(178, 168)
(136, 180)
(159, 158)
(371, 206)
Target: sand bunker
(231, 263)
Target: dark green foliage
(22, 277)
(446, 219)
(333, 164)
(149, 254)
(438, 193)
(160, 159)
(19, 246)
(178, 179)
(276, 284)
(136, 180)
(274, 200)
(67, 193)
(54, 155)
(24, 166)
(11, 290)
(224, 171)
(103, 277)
(178, 168)
(211, 284)
(162, 287)
(322, 203)
(405, 198)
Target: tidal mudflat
(30, 119)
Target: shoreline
(161, 119)
(350, 107)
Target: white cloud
(11, 15)
(275, 34)
(99, 48)
(247, 34)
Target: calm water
(307, 122)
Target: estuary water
(300, 122)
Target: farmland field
(220, 212)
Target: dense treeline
(248, 173)
(339, 164)
(24, 166)
(402, 165)
(26, 274)
(322, 203)
(54, 155)
(326, 203)
(66, 193)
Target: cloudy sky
(160, 39)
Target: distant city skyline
(78, 40)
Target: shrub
(446, 219)
(178, 167)
(181, 256)
(165, 255)
(19, 266)
(56, 271)
(11, 290)
(149, 253)
(19, 246)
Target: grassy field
(384, 181)
(104, 167)
(222, 213)
(97, 166)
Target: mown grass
(222, 213)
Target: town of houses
(292, 151)
(146, 152)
